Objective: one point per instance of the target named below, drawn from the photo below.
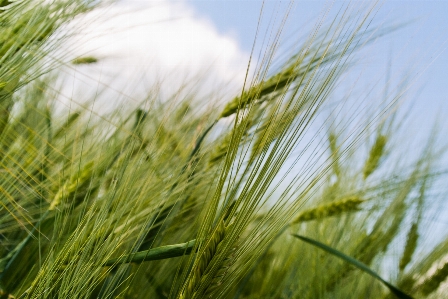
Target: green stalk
(159, 253)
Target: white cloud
(155, 39)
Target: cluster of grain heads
(26, 128)
(322, 212)
(248, 119)
(74, 191)
(25, 147)
(296, 73)
(427, 276)
(108, 206)
(373, 245)
(163, 216)
(338, 207)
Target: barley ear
(85, 60)
(432, 283)
(376, 152)
(335, 208)
(71, 187)
(411, 244)
(335, 155)
(276, 83)
(200, 268)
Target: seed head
(332, 209)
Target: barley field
(290, 186)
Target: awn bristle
(221, 149)
(70, 121)
(76, 184)
(271, 129)
(332, 138)
(245, 125)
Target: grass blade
(400, 294)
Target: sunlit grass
(174, 200)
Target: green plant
(174, 201)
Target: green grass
(172, 200)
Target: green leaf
(159, 253)
(400, 294)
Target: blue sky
(423, 41)
(239, 18)
(216, 36)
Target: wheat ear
(411, 244)
(376, 152)
(432, 283)
(337, 207)
(200, 269)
